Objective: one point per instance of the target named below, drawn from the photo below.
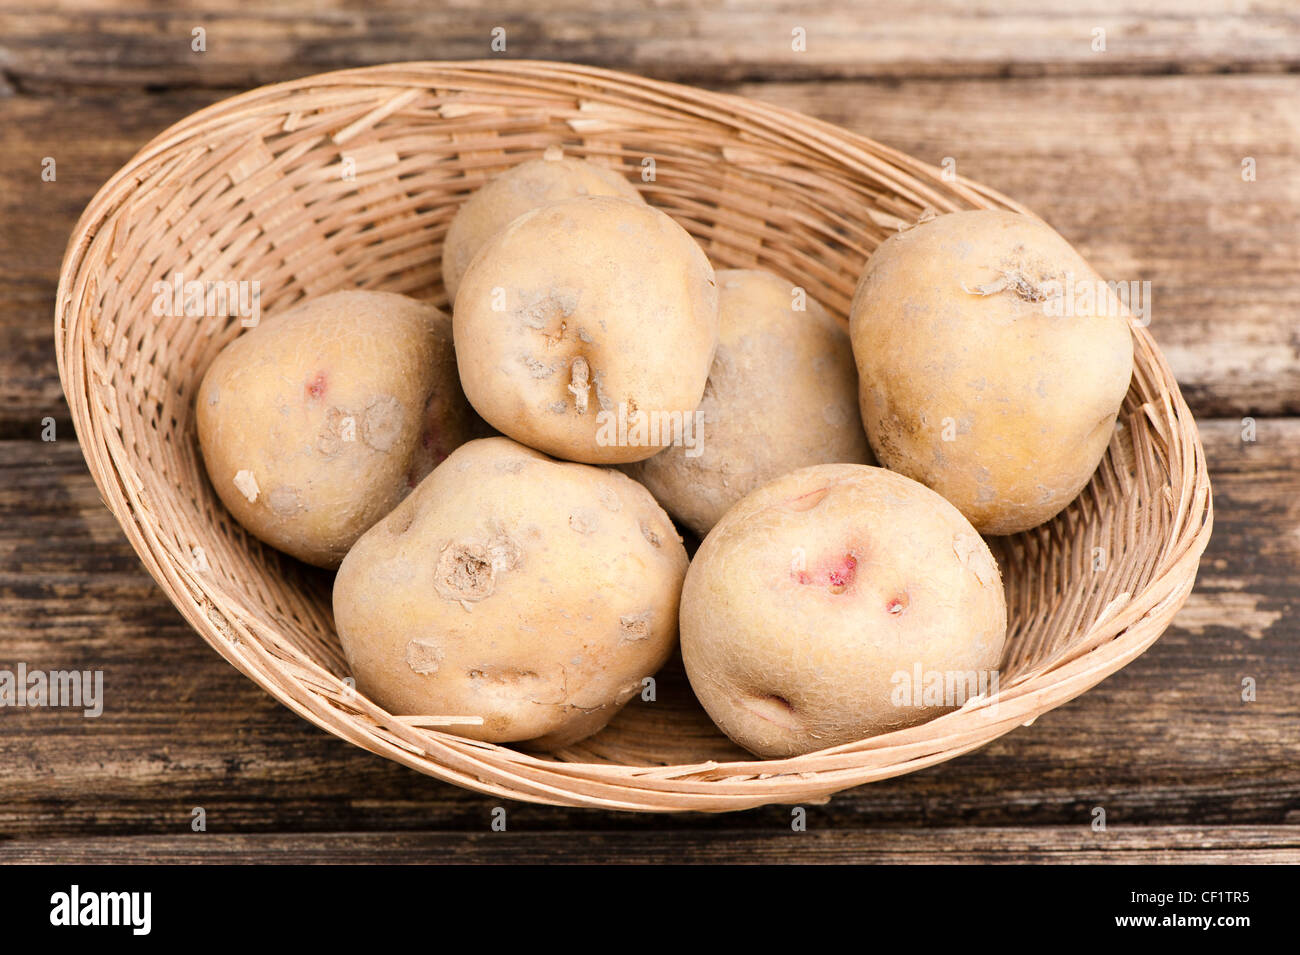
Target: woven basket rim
(1120, 634)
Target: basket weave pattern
(350, 179)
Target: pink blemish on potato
(836, 575)
(841, 576)
(771, 708)
(806, 502)
(317, 386)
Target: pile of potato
(498, 509)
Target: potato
(317, 422)
(782, 394)
(814, 603)
(982, 373)
(522, 188)
(585, 329)
(533, 593)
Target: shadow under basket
(349, 180)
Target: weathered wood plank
(1167, 741)
(1145, 177)
(88, 139)
(150, 44)
(943, 846)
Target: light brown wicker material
(253, 189)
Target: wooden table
(1134, 152)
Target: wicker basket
(349, 180)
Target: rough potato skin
(782, 394)
(536, 594)
(522, 188)
(953, 337)
(579, 309)
(813, 592)
(317, 422)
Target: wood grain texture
(1167, 741)
(1077, 845)
(149, 44)
(1146, 197)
